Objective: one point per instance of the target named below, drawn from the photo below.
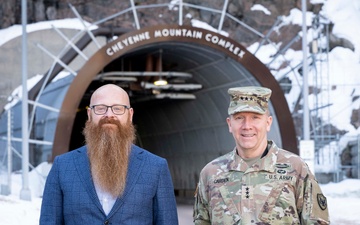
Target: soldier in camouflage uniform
(257, 183)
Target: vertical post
(135, 14)
(25, 193)
(307, 153)
(306, 123)
(180, 12)
(223, 13)
(358, 157)
(6, 189)
(9, 150)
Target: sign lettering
(188, 33)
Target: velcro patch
(321, 199)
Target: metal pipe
(223, 13)
(25, 193)
(306, 125)
(31, 141)
(9, 156)
(266, 37)
(71, 43)
(358, 157)
(38, 104)
(57, 59)
(181, 12)
(135, 14)
(86, 28)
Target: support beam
(25, 193)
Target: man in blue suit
(110, 180)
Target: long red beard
(108, 149)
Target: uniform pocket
(227, 209)
(280, 206)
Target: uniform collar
(266, 162)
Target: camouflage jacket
(277, 189)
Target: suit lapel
(83, 168)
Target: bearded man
(109, 180)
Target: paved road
(185, 212)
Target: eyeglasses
(116, 109)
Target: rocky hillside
(42, 10)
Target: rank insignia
(321, 199)
(247, 192)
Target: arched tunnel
(185, 120)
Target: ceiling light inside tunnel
(160, 82)
(128, 79)
(175, 87)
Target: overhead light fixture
(175, 96)
(175, 87)
(125, 79)
(184, 75)
(160, 82)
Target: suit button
(106, 222)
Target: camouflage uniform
(277, 189)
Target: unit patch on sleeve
(321, 199)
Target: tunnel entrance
(184, 121)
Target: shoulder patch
(321, 199)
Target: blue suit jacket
(70, 197)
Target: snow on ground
(343, 202)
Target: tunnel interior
(186, 121)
